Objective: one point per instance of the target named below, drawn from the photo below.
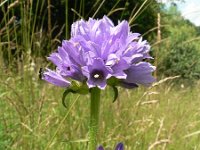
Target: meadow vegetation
(32, 117)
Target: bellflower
(99, 51)
(100, 54)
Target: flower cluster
(99, 52)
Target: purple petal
(138, 48)
(80, 28)
(108, 21)
(55, 58)
(132, 37)
(63, 54)
(143, 47)
(121, 31)
(55, 78)
(119, 67)
(120, 75)
(85, 71)
(91, 83)
(112, 59)
(119, 146)
(140, 73)
(102, 84)
(100, 148)
(73, 52)
(134, 59)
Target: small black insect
(41, 71)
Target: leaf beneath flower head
(115, 92)
(74, 89)
(65, 94)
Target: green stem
(94, 117)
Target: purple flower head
(99, 51)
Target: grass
(32, 117)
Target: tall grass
(34, 118)
(31, 113)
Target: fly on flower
(40, 73)
(99, 53)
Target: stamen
(96, 76)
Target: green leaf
(65, 94)
(74, 89)
(115, 93)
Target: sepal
(75, 88)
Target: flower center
(97, 74)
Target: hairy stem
(94, 118)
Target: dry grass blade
(138, 11)
(191, 40)
(114, 7)
(153, 29)
(98, 8)
(153, 93)
(49, 17)
(164, 80)
(159, 42)
(1, 4)
(115, 10)
(191, 134)
(149, 102)
(12, 19)
(14, 4)
(160, 129)
(158, 143)
(172, 129)
(132, 12)
(26, 126)
(94, 6)
(76, 13)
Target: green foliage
(180, 54)
(5, 139)
(182, 60)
